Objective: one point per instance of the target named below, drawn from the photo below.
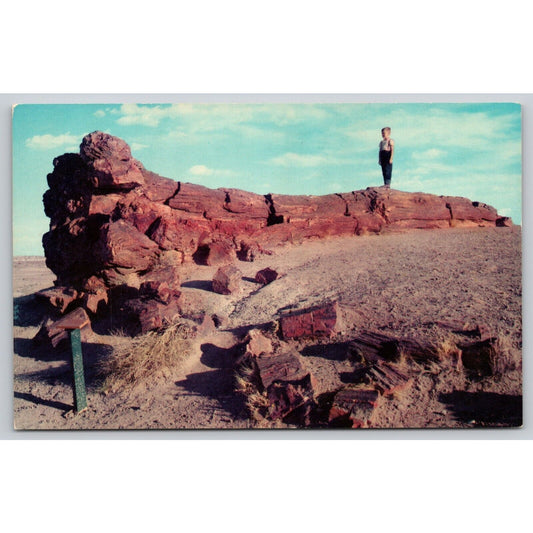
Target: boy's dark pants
(386, 167)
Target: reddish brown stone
(289, 387)
(103, 204)
(121, 245)
(257, 343)
(285, 367)
(95, 301)
(110, 163)
(52, 334)
(112, 219)
(142, 315)
(320, 321)
(353, 408)
(158, 290)
(215, 253)
(462, 209)
(387, 379)
(504, 222)
(227, 280)
(266, 276)
(248, 251)
(59, 298)
(478, 357)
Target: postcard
(267, 266)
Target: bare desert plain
(408, 284)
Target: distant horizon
(468, 150)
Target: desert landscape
(222, 309)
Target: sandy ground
(397, 283)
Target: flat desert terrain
(404, 284)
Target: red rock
(121, 245)
(266, 276)
(387, 379)
(159, 290)
(53, 333)
(142, 315)
(248, 251)
(142, 213)
(462, 209)
(103, 204)
(199, 200)
(159, 189)
(289, 386)
(96, 301)
(252, 205)
(478, 357)
(285, 367)
(353, 408)
(110, 163)
(320, 321)
(59, 298)
(215, 253)
(504, 222)
(257, 343)
(227, 280)
(112, 219)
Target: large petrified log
(114, 221)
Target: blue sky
(471, 150)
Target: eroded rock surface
(115, 224)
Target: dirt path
(396, 282)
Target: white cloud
(205, 171)
(100, 113)
(52, 142)
(201, 170)
(137, 146)
(210, 117)
(143, 115)
(290, 159)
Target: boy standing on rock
(386, 154)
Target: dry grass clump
(448, 353)
(256, 402)
(147, 356)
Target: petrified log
(266, 276)
(383, 376)
(53, 333)
(478, 357)
(114, 220)
(353, 408)
(227, 280)
(289, 387)
(320, 321)
(373, 347)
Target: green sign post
(73, 323)
(78, 377)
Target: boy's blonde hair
(385, 129)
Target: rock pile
(120, 233)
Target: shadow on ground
(485, 408)
(93, 353)
(41, 401)
(204, 285)
(29, 311)
(333, 352)
(217, 383)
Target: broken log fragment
(320, 321)
(353, 408)
(478, 357)
(53, 333)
